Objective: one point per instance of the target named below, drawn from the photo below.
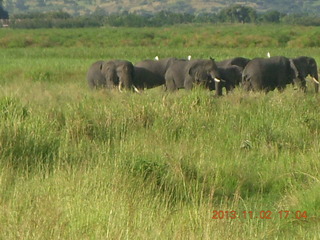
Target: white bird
(268, 54)
(156, 58)
(189, 57)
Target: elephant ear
(193, 69)
(104, 66)
(312, 64)
(294, 69)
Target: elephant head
(201, 72)
(307, 66)
(108, 70)
(230, 78)
(125, 73)
(118, 73)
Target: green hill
(83, 7)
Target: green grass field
(81, 164)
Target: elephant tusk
(136, 89)
(315, 80)
(120, 84)
(219, 80)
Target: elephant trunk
(125, 81)
(127, 84)
(218, 87)
(111, 81)
(216, 75)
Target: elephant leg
(188, 84)
(229, 88)
(170, 85)
(303, 85)
(246, 85)
(281, 88)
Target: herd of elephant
(258, 74)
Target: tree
(41, 3)
(238, 13)
(21, 5)
(271, 16)
(3, 14)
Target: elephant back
(158, 67)
(238, 61)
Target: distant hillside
(86, 7)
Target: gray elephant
(267, 74)
(145, 79)
(230, 78)
(184, 74)
(306, 66)
(151, 73)
(111, 74)
(238, 61)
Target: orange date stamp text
(283, 214)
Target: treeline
(232, 14)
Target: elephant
(151, 73)
(145, 79)
(184, 73)
(266, 74)
(238, 61)
(230, 78)
(307, 66)
(111, 74)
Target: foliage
(233, 14)
(299, 19)
(3, 14)
(84, 7)
(238, 13)
(272, 16)
(194, 35)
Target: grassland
(81, 164)
(186, 36)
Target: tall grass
(81, 164)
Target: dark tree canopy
(272, 16)
(3, 14)
(238, 13)
(232, 14)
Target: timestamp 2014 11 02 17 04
(283, 214)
